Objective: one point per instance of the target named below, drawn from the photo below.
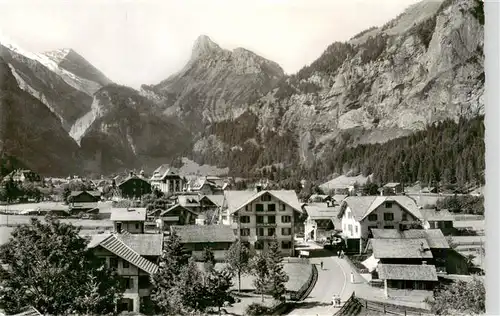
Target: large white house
(259, 216)
(167, 180)
(359, 214)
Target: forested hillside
(445, 152)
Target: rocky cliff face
(125, 130)
(424, 66)
(32, 133)
(216, 84)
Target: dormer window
(388, 204)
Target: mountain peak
(204, 46)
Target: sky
(136, 42)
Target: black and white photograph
(246, 157)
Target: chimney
(422, 247)
(131, 173)
(258, 187)
(424, 263)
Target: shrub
(256, 309)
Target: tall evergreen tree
(277, 276)
(238, 260)
(261, 273)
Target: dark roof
(411, 272)
(205, 233)
(434, 237)
(133, 177)
(93, 193)
(400, 248)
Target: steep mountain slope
(31, 133)
(125, 130)
(424, 66)
(216, 84)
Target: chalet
(130, 220)
(319, 198)
(203, 186)
(211, 202)
(168, 180)
(408, 276)
(337, 199)
(190, 201)
(445, 258)
(135, 257)
(195, 238)
(84, 200)
(259, 216)
(134, 186)
(360, 214)
(440, 219)
(175, 215)
(320, 218)
(391, 188)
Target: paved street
(333, 279)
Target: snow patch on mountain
(81, 126)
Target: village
(349, 249)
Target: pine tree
(277, 276)
(261, 273)
(238, 260)
(190, 289)
(208, 259)
(217, 288)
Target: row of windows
(271, 219)
(128, 282)
(270, 231)
(387, 217)
(260, 207)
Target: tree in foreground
(238, 259)
(261, 272)
(173, 259)
(50, 268)
(218, 288)
(277, 276)
(460, 297)
(208, 259)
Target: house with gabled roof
(135, 257)
(174, 215)
(134, 186)
(259, 216)
(129, 219)
(360, 214)
(168, 180)
(195, 238)
(392, 188)
(438, 218)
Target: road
(334, 279)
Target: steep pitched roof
(400, 248)
(162, 171)
(362, 206)
(173, 207)
(128, 214)
(434, 237)
(217, 199)
(236, 200)
(132, 178)
(93, 193)
(116, 245)
(412, 272)
(204, 233)
(187, 200)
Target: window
(128, 283)
(283, 207)
(125, 264)
(405, 217)
(388, 216)
(113, 263)
(271, 207)
(144, 282)
(245, 219)
(271, 219)
(350, 228)
(245, 232)
(286, 231)
(260, 219)
(388, 204)
(259, 207)
(247, 208)
(389, 227)
(286, 244)
(286, 219)
(356, 229)
(372, 217)
(265, 198)
(271, 232)
(260, 231)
